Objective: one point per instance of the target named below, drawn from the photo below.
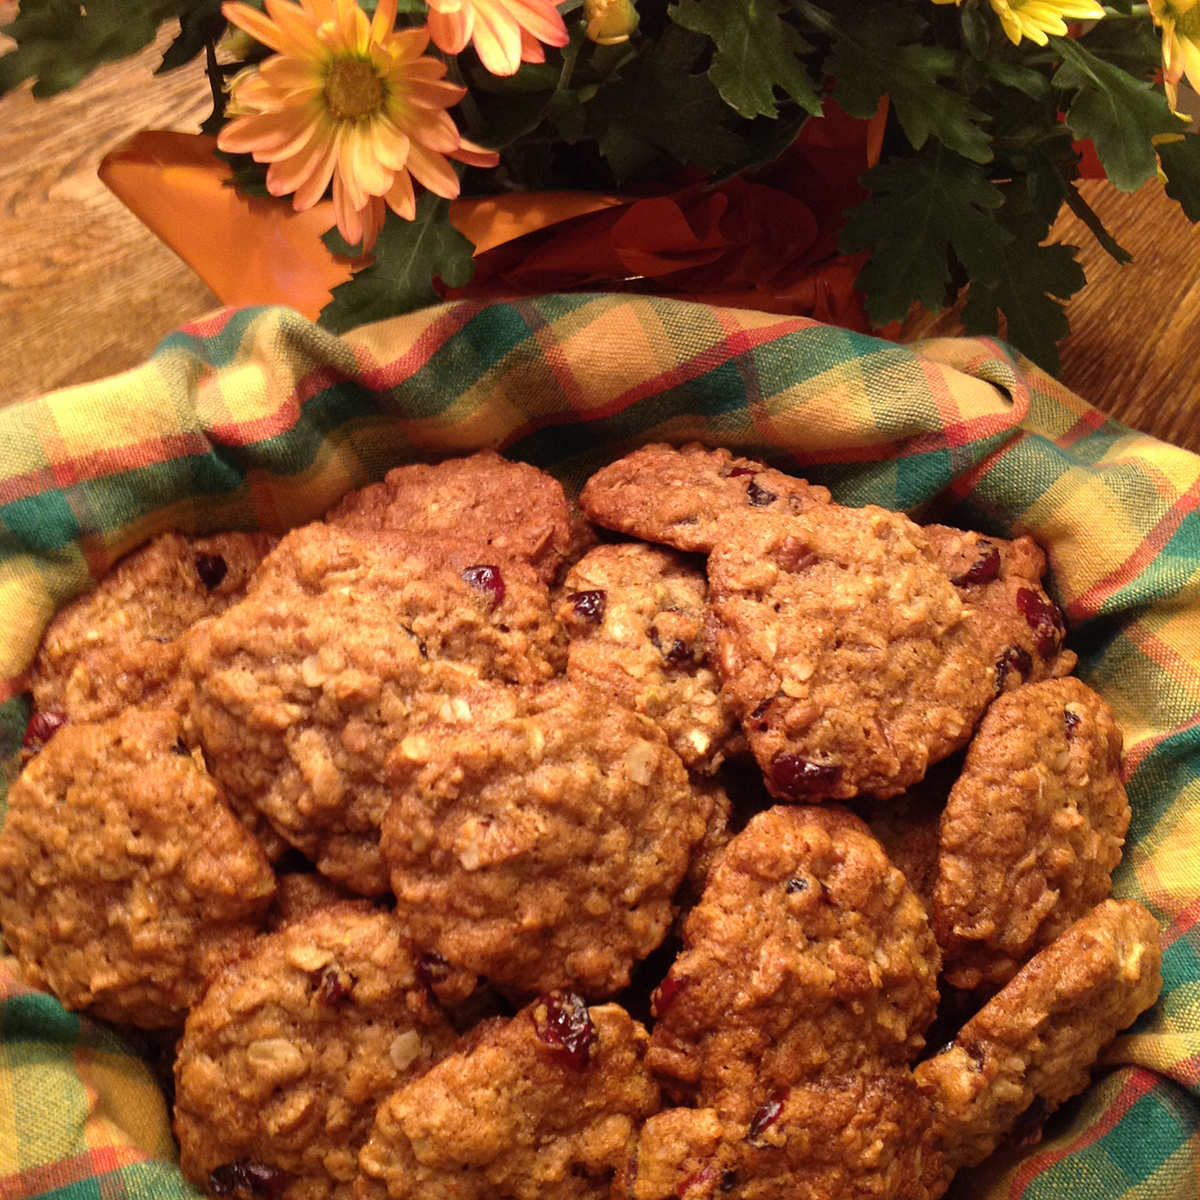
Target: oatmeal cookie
(346, 645)
(845, 1138)
(1032, 831)
(514, 509)
(118, 646)
(543, 1107)
(300, 894)
(680, 497)
(124, 878)
(1015, 627)
(635, 613)
(539, 838)
(1038, 1037)
(841, 645)
(807, 956)
(285, 1058)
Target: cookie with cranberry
(514, 509)
(1017, 629)
(844, 1137)
(842, 648)
(635, 615)
(538, 837)
(285, 1058)
(807, 956)
(124, 878)
(1035, 1042)
(1032, 831)
(117, 645)
(681, 496)
(543, 1107)
(347, 644)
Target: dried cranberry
(247, 1180)
(679, 653)
(728, 1180)
(1013, 658)
(734, 472)
(1070, 723)
(41, 728)
(766, 1116)
(335, 989)
(1043, 617)
(759, 496)
(432, 968)
(486, 579)
(668, 991)
(181, 749)
(590, 606)
(796, 776)
(1027, 1129)
(695, 1180)
(212, 569)
(983, 570)
(563, 1023)
(795, 884)
(976, 1054)
(760, 709)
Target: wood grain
(87, 291)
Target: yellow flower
(1180, 21)
(346, 100)
(505, 33)
(610, 22)
(1035, 19)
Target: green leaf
(1032, 280)
(408, 254)
(757, 52)
(661, 106)
(1051, 189)
(59, 42)
(920, 210)
(881, 55)
(1181, 165)
(1119, 113)
(1134, 45)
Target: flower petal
(401, 199)
(451, 31)
(474, 156)
(541, 18)
(260, 27)
(313, 188)
(290, 174)
(433, 171)
(496, 38)
(270, 136)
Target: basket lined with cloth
(258, 419)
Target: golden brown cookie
(124, 878)
(543, 1107)
(514, 509)
(539, 836)
(1038, 1037)
(285, 1058)
(1032, 830)
(347, 644)
(844, 1138)
(1016, 628)
(841, 645)
(118, 644)
(680, 497)
(635, 614)
(807, 956)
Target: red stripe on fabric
(13, 686)
(35, 1181)
(211, 325)
(1136, 1087)
(1084, 426)
(1137, 753)
(71, 471)
(1090, 603)
(381, 376)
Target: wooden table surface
(86, 291)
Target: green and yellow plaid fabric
(257, 419)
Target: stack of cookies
(475, 847)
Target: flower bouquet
(846, 158)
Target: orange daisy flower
(1180, 22)
(348, 101)
(505, 33)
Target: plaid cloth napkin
(256, 418)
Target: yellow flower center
(1187, 25)
(353, 90)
